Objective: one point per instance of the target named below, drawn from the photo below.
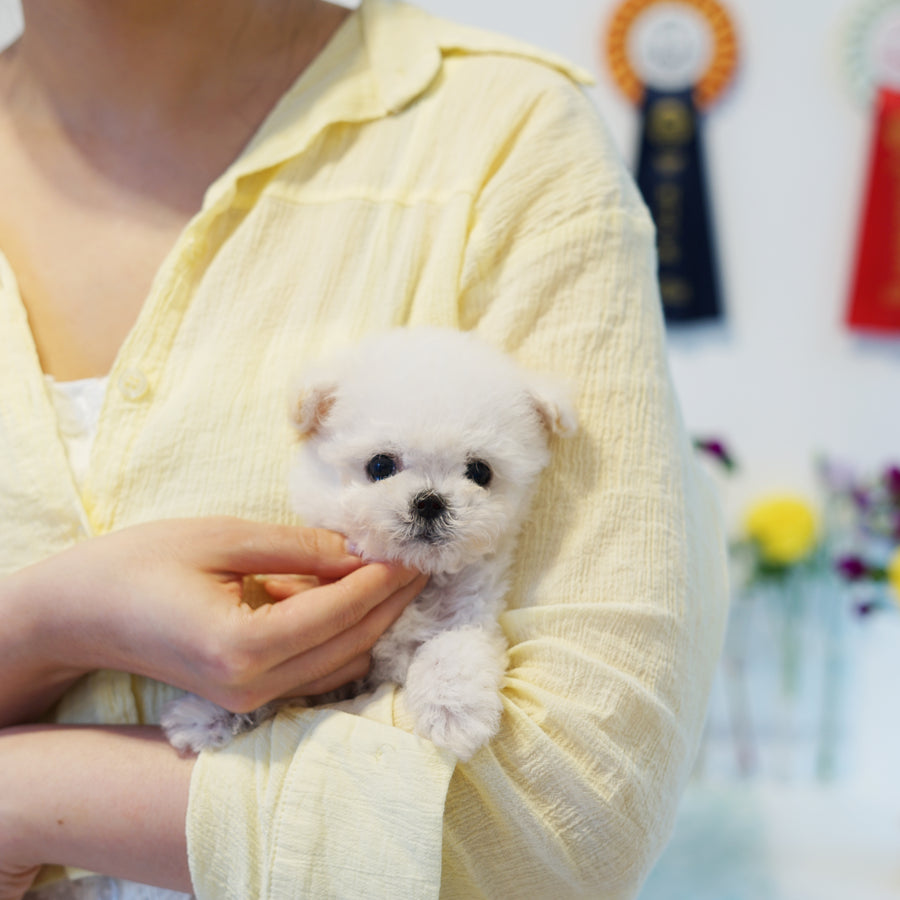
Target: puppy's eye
(381, 466)
(479, 472)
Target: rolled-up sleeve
(319, 803)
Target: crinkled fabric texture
(417, 173)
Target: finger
(272, 640)
(280, 587)
(355, 670)
(307, 620)
(321, 661)
(253, 547)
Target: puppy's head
(422, 446)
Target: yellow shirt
(418, 172)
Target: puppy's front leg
(453, 688)
(192, 723)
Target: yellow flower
(893, 574)
(784, 529)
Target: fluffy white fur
(423, 446)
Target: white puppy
(423, 447)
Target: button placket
(141, 367)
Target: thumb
(256, 548)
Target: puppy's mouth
(434, 535)
(430, 520)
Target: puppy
(422, 446)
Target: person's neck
(110, 68)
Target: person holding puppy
(194, 205)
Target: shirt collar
(380, 59)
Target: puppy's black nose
(428, 505)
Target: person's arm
(619, 598)
(110, 800)
(164, 600)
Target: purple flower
(892, 481)
(851, 567)
(717, 450)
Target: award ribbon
(873, 57)
(673, 59)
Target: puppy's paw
(453, 689)
(461, 730)
(194, 724)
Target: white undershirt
(77, 405)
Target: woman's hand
(164, 600)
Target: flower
(852, 568)
(718, 451)
(893, 573)
(783, 529)
(865, 608)
(891, 480)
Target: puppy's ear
(311, 402)
(554, 406)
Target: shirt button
(194, 247)
(133, 384)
